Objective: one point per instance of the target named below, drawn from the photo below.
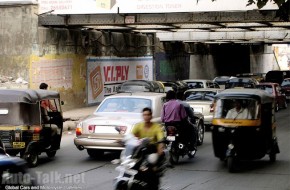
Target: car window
(195, 85)
(266, 88)
(124, 105)
(200, 95)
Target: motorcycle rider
(174, 113)
(154, 132)
(192, 130)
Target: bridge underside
(207, 27)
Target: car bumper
(208, 119)
(105, 144)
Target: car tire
(31, 159)
(95, 153)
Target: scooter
(139, 168)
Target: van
(277, 76)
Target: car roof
(26, 95)
(138, 94)
(197, 80)
(267, 83)
(204, 89)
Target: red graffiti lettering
(119, 72)
(126, 71)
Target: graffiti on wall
(106, 74)
(55, 72)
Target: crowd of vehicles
(26, 129)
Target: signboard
(104, 75)
(144, 6)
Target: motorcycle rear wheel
(173, 156)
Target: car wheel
(200, 133)
(94, 153)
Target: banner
(104, 75)
(145, 6)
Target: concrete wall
(59, 58)
(18, 31)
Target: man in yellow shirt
(149, 129)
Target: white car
(115, 117)
(201, 100)
(201, 83)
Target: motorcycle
(177, 145)
(139, 168)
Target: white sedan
(114, 118)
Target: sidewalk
(72, 117)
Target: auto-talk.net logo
(96, 82)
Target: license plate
(197, 109)
(18, 144)
(170, 138)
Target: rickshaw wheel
(51, 154)
(231, 164)
(32, 159)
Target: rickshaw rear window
(227, 109)
(20, 114)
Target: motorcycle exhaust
(180, 146)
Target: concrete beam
(225, 36)
(160, 18)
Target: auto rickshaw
(26, 127)
(246, 131)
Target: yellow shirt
(155, 132)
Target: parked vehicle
(139, 168)
(241, 83)
(201, 100)
(277, 76)
(26, 128)
(285, 86)
(275, 90)
(236, 139)
(201, 83)
(141, 86)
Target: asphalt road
(73, 169)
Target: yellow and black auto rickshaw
(27, 127)
(243, 126)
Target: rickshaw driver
(46, 103)
(238, 112)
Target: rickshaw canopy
(261, 95)
(26, 95)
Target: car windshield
(124, 104)
(286, 83)
(199, 95)
(227, 108)
(266, 88)
(221, 81)
(195, 84)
